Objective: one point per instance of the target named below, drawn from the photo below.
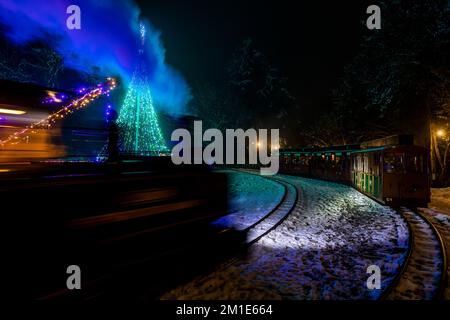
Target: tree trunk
(432, 155)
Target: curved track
(276, 216)
(272, 219)
(444, 231)
(423, 274)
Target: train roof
(339, 148)
(398, 148)
(28, 95)
(394, 140)
(399, 142)
(350, 149)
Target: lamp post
(440, 149)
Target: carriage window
(355, 163)
(393, 163)
(366, 166)
(376, 164)
(414, 163)
(359, 163)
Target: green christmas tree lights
(140, 133)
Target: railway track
(423, 275)
(268, 222)
(271, 220)
(444, 231)
(275, 217)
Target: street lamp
(440, 133)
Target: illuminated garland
(47, 122)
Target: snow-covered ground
(321, 251)
(422, 275)
(251, 197)
(440, 200)
(442, 223)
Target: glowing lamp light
(440, 133)
(52, 97)
(11, 111)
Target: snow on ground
(438, 218)
(442, 223)
(321, 251)
(251, 197)
(421, 278)
(440, 200)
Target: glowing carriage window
(414, 163)
(394, 163)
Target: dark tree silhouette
(259, 86)
(254, 94)
(399, 79)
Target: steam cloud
(109, 39)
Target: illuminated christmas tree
(138, 123)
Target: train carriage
(393, 175)
(392, 170)
(332, 163)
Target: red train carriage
(394, 175)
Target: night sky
(309, 41)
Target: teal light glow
(140, 133)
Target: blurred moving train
(22, 105)
(391, 170)
(40, 146)
(136, 227)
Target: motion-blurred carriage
(392, 170)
